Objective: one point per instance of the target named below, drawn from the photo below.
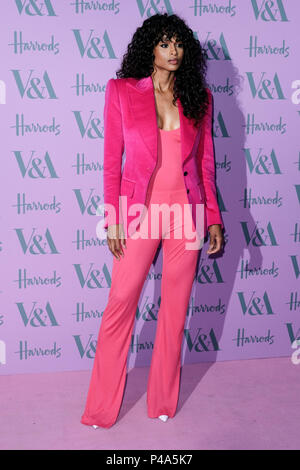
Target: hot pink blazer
(130, 124)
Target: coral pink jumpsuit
(128, 275)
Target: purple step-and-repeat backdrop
(56, 58)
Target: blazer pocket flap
(127, 187)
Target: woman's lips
(173, 61)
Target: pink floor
(250, 404)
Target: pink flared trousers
(128, 276)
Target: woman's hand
(216, 238)
(116, 240)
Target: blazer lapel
(142, 101)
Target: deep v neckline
(156, 113)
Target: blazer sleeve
(113, 150)
(206, 167)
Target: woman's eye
(179, 44)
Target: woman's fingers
(214, 245)
(116, 240)
(119, 248)
(116, 247)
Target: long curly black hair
(190, 81)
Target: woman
(160, 111)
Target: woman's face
(168, 54)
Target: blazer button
(185, 173)
(187, 190)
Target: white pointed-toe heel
(163, 417)
(95, 426)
